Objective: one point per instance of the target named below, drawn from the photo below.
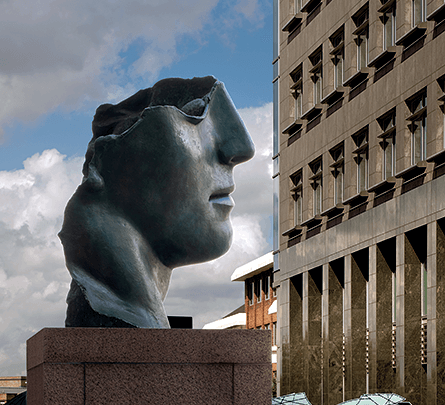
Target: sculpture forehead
(110, 119)
(219, 113)
(166, 127)
(165, 133)
(117, 119)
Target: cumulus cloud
(61, 52)
(249, 8)
(64, 53)
(33, 278)
(259, 122)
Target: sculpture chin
(216, 244)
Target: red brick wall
(257, 315)
(13, 382)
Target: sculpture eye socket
(195, 107)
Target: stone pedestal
(149, 366)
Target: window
(394, 297)
(316, 73)
(337, 170)
(441, 83)
(297, 6)
(297, 196)
(361, 21)
(389, 147)
(424, 289)
(316, 182)
(258, 284)
(362, 50)
(387, 123)
(361, 158)
(337, 41)
(388, 18)
(267, 287)
(417, 106)
(311, 7)
(297, 90)
(338, 70)
(424, 314)
(251, 291)
(418, 8)
(274, 333)
(274, 290)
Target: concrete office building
(359, 198)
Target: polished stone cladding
(358, 261)
(148, 366)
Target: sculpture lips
(223, 197)
(223, 200)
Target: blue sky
(237, 52)
(60, 60)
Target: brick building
(260, 298)
(359, 198)
(235, 320)
(10, 387)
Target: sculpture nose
(233, 142)
(237, 147)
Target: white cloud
(33, 278)
(63, 53)
(251, 175)
(38, 193)
(249, 8)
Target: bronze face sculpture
(155, 196)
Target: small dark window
(361, 158)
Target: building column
(414, 373)
(433, 241)
(283, 352)
(305, 331)
(347, 373)
(325, 297)
(355, 318)
(313, 336)
(400, 314)
(373, 304)
(333, 282)
(439, 304)
(297, 380)
(385, 266)
(436, 313)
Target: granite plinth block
(149, 366)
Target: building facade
(260, 298)
(10, 387)
(235, 320)
(359, 198)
